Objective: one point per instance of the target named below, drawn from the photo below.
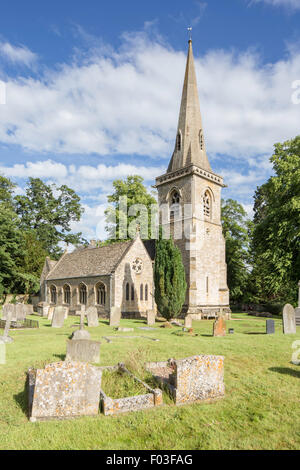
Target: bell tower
(189, 195)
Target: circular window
(137, 265)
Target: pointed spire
(190, 145)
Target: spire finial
(190, 33)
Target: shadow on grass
(22, 399)
(254, 333)
(286, 371)
(60, 356)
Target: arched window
(207, 204)
(175, 204)
(146, 292)
(67, 294)
(53, 294)
(82, 294)
(101, 294)
(141, 292)
(201, 139)
(127, 291)
(178, 141)
(132, 292)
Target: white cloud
(17, 54)
(127, 102)
(291, 4)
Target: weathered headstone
(50, 313)
(83, 350)
(115, 316)
(5, 338)
(188, 322)
(270, 327)
(45, 310)
(289, 320)
(92, 317)
(28, 309)
(151, 317)
(297, 316)
(81, 334)
(64, 390)
(20, 312)
(9, 308)
(219, 328)
(58, 317)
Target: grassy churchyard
(260, 409)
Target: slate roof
(90, 261)
(150, 247)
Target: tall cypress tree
(169, 278)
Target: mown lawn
(261, 409)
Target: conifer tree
(169, 278)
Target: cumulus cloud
(127, 101)
(17, 54)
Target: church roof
(85, 262)
(190, 144)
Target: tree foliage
(276, 236)
(49, 211)
(130, 203)
(169, 278)
(236, 228)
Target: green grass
(117, 384)
(260, 409)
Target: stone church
(121, 274)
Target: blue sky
(93, 90)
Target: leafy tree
(130, 202)
(49, 210)
(276, 235)
(169, 278)
(236, 227)
(6, 191)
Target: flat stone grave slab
(64, 390)
(270, 327)
(58, 317)
(125, 330)
(147, 328)
(92, 317)
(83, 350)
(289, 320)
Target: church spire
(190, 145)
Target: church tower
(189, 195)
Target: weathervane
(190, 33)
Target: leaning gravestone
(151, 317)
(115, 316)
(5, 338)
(58, 317)
(64, 390)
(83, 350)
(219, 328)
(188, 322)
(92, 316)
(289, 320)
(270, 327)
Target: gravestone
(81, 334)
(297, 316)
(125, 330)
(151, 317)
(92, 317)
(28, 309)
(188, 322)
(289, 320)
(20, 312)
(219, 328)
(45, 310)
(5, 338)
(58, 317)
(115, 316)
(270, 327)
(83, 350)
(9, 308)
(50, 313)
(64, 390)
